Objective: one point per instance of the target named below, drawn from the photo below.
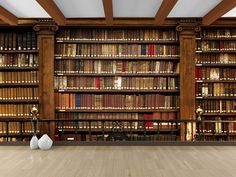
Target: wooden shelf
(216, 98)
(19, 51)
(217, 65)
(216, 39)
(20, 101)
(216, 51)
(17, 68)
(115, 110)
(19, 84)
(119, 74)
(115, 58)
(117, 91)
(126, 130)
(219, 114)
(118, 41)
(217, 81)
(15, 117)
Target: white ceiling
(24, 8)
(81, 8)
(121, 8)
(135, 8)
(193, 8)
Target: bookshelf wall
(19, 76)
(215, 79)
(117, 74)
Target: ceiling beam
(164, 10)
(108, 10)
(218, 11)
(8, 17)
(51, 8)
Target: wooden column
(46, 33)
(187, 75)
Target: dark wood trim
(108, 10)
(19, 51)
(51, 8)
(6, 68)
(216, 98)
(19, 84)
(164, 10)
(217, 81)
(8, 17)
(216, 65)
(222, 8)
(115, 58)
(218, 114)
(19, 101)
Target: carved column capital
(45, 27)
(188, 26)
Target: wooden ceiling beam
(8, 17)
(164, 10)
(218, 11)
(108, 10)
(51, 8)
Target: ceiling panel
(135, 8)
(24, 8)
(193, 8)
(81, 8)
(231, 13)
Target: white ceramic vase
(34, 142)
(45, 142)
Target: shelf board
(19, 51)
(217, 39)
(18, 84)
(17, 68)
(216, 81)
(217, 65)
(20, 101)
(115, 110)
(118, 41)
(216, 51)
(126, 130)
(219, 114)
(217, 98)
(119, 74)
(116, 58)
(117, 91)
(15, 134)
(15, 117)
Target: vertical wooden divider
(46, 42)
(187, 39)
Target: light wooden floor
(118, 161)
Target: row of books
(219, 127)
(19, 93)
(18, 60)
(15, 109)
(153, 83)
(215, 58)
(216, 45)
(116, 50)
(15, 127)
(115, 101)
(117, 34)
(219, 33)
(206, 73)
(217, 106)
(19, 77)
(115, 66)
(215, 89)
(117, 116)
(18, 40)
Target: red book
(123, 67)
(97, 83)
(148, 117)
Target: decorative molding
(45, 27)
(188, 25)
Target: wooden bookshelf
(19, 76)
(217, 90)
(128, 52)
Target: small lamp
(199, 112)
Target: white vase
(45, 142)
(34, 142)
